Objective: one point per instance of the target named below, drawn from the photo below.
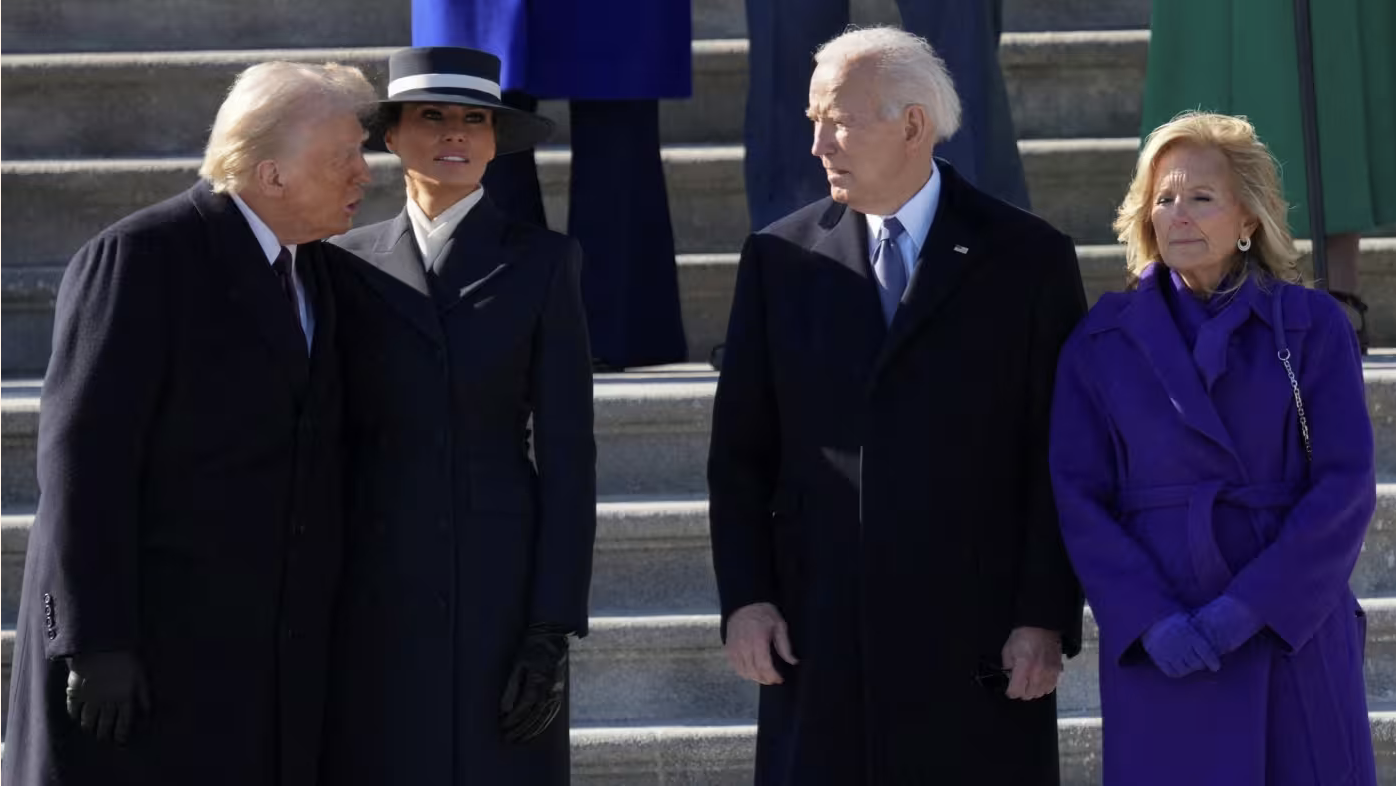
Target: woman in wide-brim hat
(468, 563)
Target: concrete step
(56, 205)
(653, 556)
(171, 25)
(651, 433)
(633, 670)
(705, 286)
(688, 754)
(1061, 85)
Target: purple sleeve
(1295, 582)
(1125, 590)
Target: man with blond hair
(184, 557)
(884, 534)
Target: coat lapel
(398, 277)
(252, 285)
(1149, 325)
(471, 258)
(852, 294)
(940, 269)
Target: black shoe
(715, 358)
(599, 366)
(1355, 303)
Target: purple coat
(1181, 476)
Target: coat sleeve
(99, 397)
(1048, 594)
(1295, 582)
(1126, 591)
(565, 450)
(744, 455)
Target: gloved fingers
(125, 719)
(535, 722)
(513, 686)
(1207, 656)
(88, 721)
(106, 721)
(528, 696)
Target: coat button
(290, 633)
(442, 525)
(441, 601)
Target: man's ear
(917, 127)
(388, 139)
(268, 178)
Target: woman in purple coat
(1213, 511)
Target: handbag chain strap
(1284, 355)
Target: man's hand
(106, 690)
(751, 633)
(1033, 657)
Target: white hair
(909, 72)
(266, 105)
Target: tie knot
(891, 229)
(282, 265)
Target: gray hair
(910, 73)
(266, 105)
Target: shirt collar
(445, 224)
(265, 237)
(917, 214)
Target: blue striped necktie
(890, 268)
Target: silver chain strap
(1283, 354)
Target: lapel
(851, 301)
(252, 286)
(940, 269)
(398, 277)
(1149, 325)
(310, 261)
(471, 258)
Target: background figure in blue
(613, 59)
(781, 176)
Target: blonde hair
(910, 73)
(1257, 182)
(266, 105)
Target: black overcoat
(189, 476)
(887, 489)
(456, 540)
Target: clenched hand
(752, 631)
(1033, 656)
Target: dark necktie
(889, 268)
(285, 274)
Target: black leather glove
(533, 693)
(106, 692)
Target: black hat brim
(515, 130)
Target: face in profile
(864, 155)
(444, 147)
(1196, 212)
(323, 177)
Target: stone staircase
(108, 104)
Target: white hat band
(431, 81)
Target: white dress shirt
(272, 248)
(916, 217)
(432, 233)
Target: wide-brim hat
(455, 75)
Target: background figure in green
(1239, 57)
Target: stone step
(653, 556)
(169, 25)
(1061, 85)
(705, 287)
(651, 433)
(55, 205)
(632, 670)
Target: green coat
(1238, 57)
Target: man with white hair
(184, 557)
(883, 528)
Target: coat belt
(1208, 564)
